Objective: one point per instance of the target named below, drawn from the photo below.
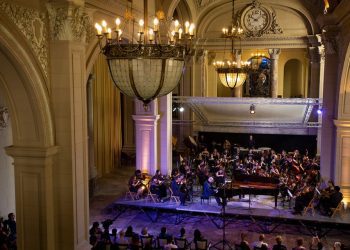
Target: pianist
(208, 190)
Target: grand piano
(243, 184)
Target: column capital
(314, 55)
(274, 53)
(145, 118)
(68, 21)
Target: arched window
(292, 81)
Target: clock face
(255, 19)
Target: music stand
(224, 242)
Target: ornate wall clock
(257, 20)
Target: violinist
(303, 199)
(158, 185)
(136, 184)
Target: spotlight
(252, 109)
(181, 109)
(319, 111)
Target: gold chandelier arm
(132, 82)
(161, 81)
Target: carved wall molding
(69, 22)
(4, 117)
(31, 23)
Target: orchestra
(298, 175)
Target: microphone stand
(223, 242)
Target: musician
(303, 199)
(227, 145)
(326, 204)
(158, 185)
(136, 183)
(251, 142)
(208, 190)
(220, 176)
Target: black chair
(182, 244)
(161, 242)
(122, 246)
(201, 244)
(146, 241)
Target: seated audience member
(260, 243)
(144, 232)
(315, 244)
(197, 235)
(163, 233)
(244, 245)
(95, 233)
(130, 232)
(135, 243)
(338, 246)
(121, 238)
(279, 245)
(300, 245)
(182, 233)
(170, 244)
(10, 223)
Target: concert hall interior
(227, 120)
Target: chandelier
(151, 66)
(232, 73)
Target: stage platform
(259, 210)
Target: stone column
(315, 73)
(92, 167)
(238, 91)
(35, 196)
(342, 161)
(198, 86)
(165, 134)
(274, 55)
(328, 93)
(146, 136)
(68, 85)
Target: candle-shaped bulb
(117, 23)
(104, 26)
(155, 24)
(180, 33)
(109, 33)
(141, 23)
(187, 26)
(151, 35)
(98, 29)
(172, 36)
(191, 29)
(176, 24)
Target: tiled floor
(113, 187)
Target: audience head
(337, 246)
(114, 232)
(169, 239)
(144, 231)
(163, 230)
(121, 233)
(279, 240)
(300, 242)
(261, 237)
(263, 247)
(182, 231)
(95, 224)
(129, 229)
(337, 188)
(11, 216)
(197, 234)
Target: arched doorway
(292, 82)
(22, 84)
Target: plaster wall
(7, 175)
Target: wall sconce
(252, 109)
(4, 117)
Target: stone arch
(344, 90)
(25, 88)
(292, 82)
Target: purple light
(319, 111)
